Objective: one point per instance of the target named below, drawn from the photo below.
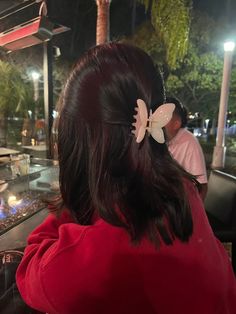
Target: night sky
(80, 16)
(215, 8)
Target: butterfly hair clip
(154, 123)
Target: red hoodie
(68, 269)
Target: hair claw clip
(154, 123)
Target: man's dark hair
(103, 171)
(180, 110)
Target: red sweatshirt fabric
(68, 268)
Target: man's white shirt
(186, 150)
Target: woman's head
(106, 83)
(102, 168)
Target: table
(38, 151)
(17, 236)
(37, 148)
(7, 151)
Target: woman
(132, 235)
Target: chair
(220, 205)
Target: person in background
(130, 234)
(184, 146)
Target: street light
(35, 75)
(218, 160)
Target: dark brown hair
(103, 171)
(180, 110)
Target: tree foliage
(14, 92)
(171, 22)
(196, 81)
(232, 94)
(151, 43)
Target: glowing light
(2, 214)
(229, 46)
(12, 201)
(55, 114)
(35, 75)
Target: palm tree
(103, 21)
(170, 20)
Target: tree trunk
(103, 21)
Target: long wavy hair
(103, 171)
